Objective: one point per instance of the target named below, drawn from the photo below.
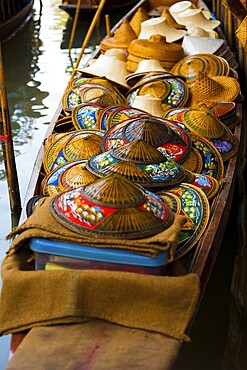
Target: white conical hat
(196, 18)
(197, 45)
(180, 7)
(160, 26)
(148, 103)
(145, 66)
(110, 67)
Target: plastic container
(50, 254)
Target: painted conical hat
(170, 139)
(158, 169)
(56, 154)
(172, 90)
(206, 183)
(204, 122)
(85, 116)
(140, 16)
(195, 206)
(82, 146)
(191, 65)
(52, 184)
(112, 207)
(75, 176)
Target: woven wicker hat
(160, 26)
(214, 89)
(154, 48)
(140, 163)
(112, 207)
(196, 18)
(122, 38)
(241, 33)
(140, 16)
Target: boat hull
(14, 24)
(87, 9)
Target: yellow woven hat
(140, 16)
(121, 39)
(156, 48)
(241, 33)
(214, 89)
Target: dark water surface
(37, 69)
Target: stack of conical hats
(121, 39)
(155, 47)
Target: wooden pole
(74, 24)
(108, 26)
(88, 35)
(7, 145)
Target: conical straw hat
(140, 16)
(159, 169)
(203, 122)
(122, 38)
(214, 89)
(112, 207)
(196, 18)
(160, 26)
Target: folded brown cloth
(31, 298)
(42, 224)
(160, 304)
(96, 345)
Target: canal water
(37, 69)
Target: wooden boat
(14, 20)
(199, 260)
(89, 7)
